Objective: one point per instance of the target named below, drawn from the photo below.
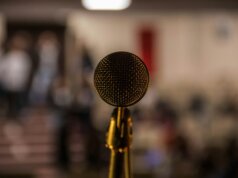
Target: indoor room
(118, 88)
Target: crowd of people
(199, 140)
(27, 72)
(30, 77)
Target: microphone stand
(118, 140)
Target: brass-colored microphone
(121, 79)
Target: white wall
(197, 48)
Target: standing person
(2, 90)
(15, 71)
(48, 54)
(61, 98)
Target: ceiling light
(106, 4)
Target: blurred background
(53, 123)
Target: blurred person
(86, 62)
(154, 133)
(182, 163)
(224, 125)
(195, 123)
(228, 104)
(2, 90)
(82, 112)
(48, 54)
(15, 70)
(84, 96)
(146, 135)
(85, 101)
(197, 105)
(167, 117)
(61, 98)
(75, 109)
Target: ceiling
(57, 10)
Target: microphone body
(121, 79)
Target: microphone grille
(121, 79)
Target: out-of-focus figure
(2, 90)
(48, 54)
(61, 98)
(73, 103)
(14, 71)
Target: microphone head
(121, 79)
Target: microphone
(121, 80)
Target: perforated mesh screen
(121, 79)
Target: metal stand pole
(119, 138)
